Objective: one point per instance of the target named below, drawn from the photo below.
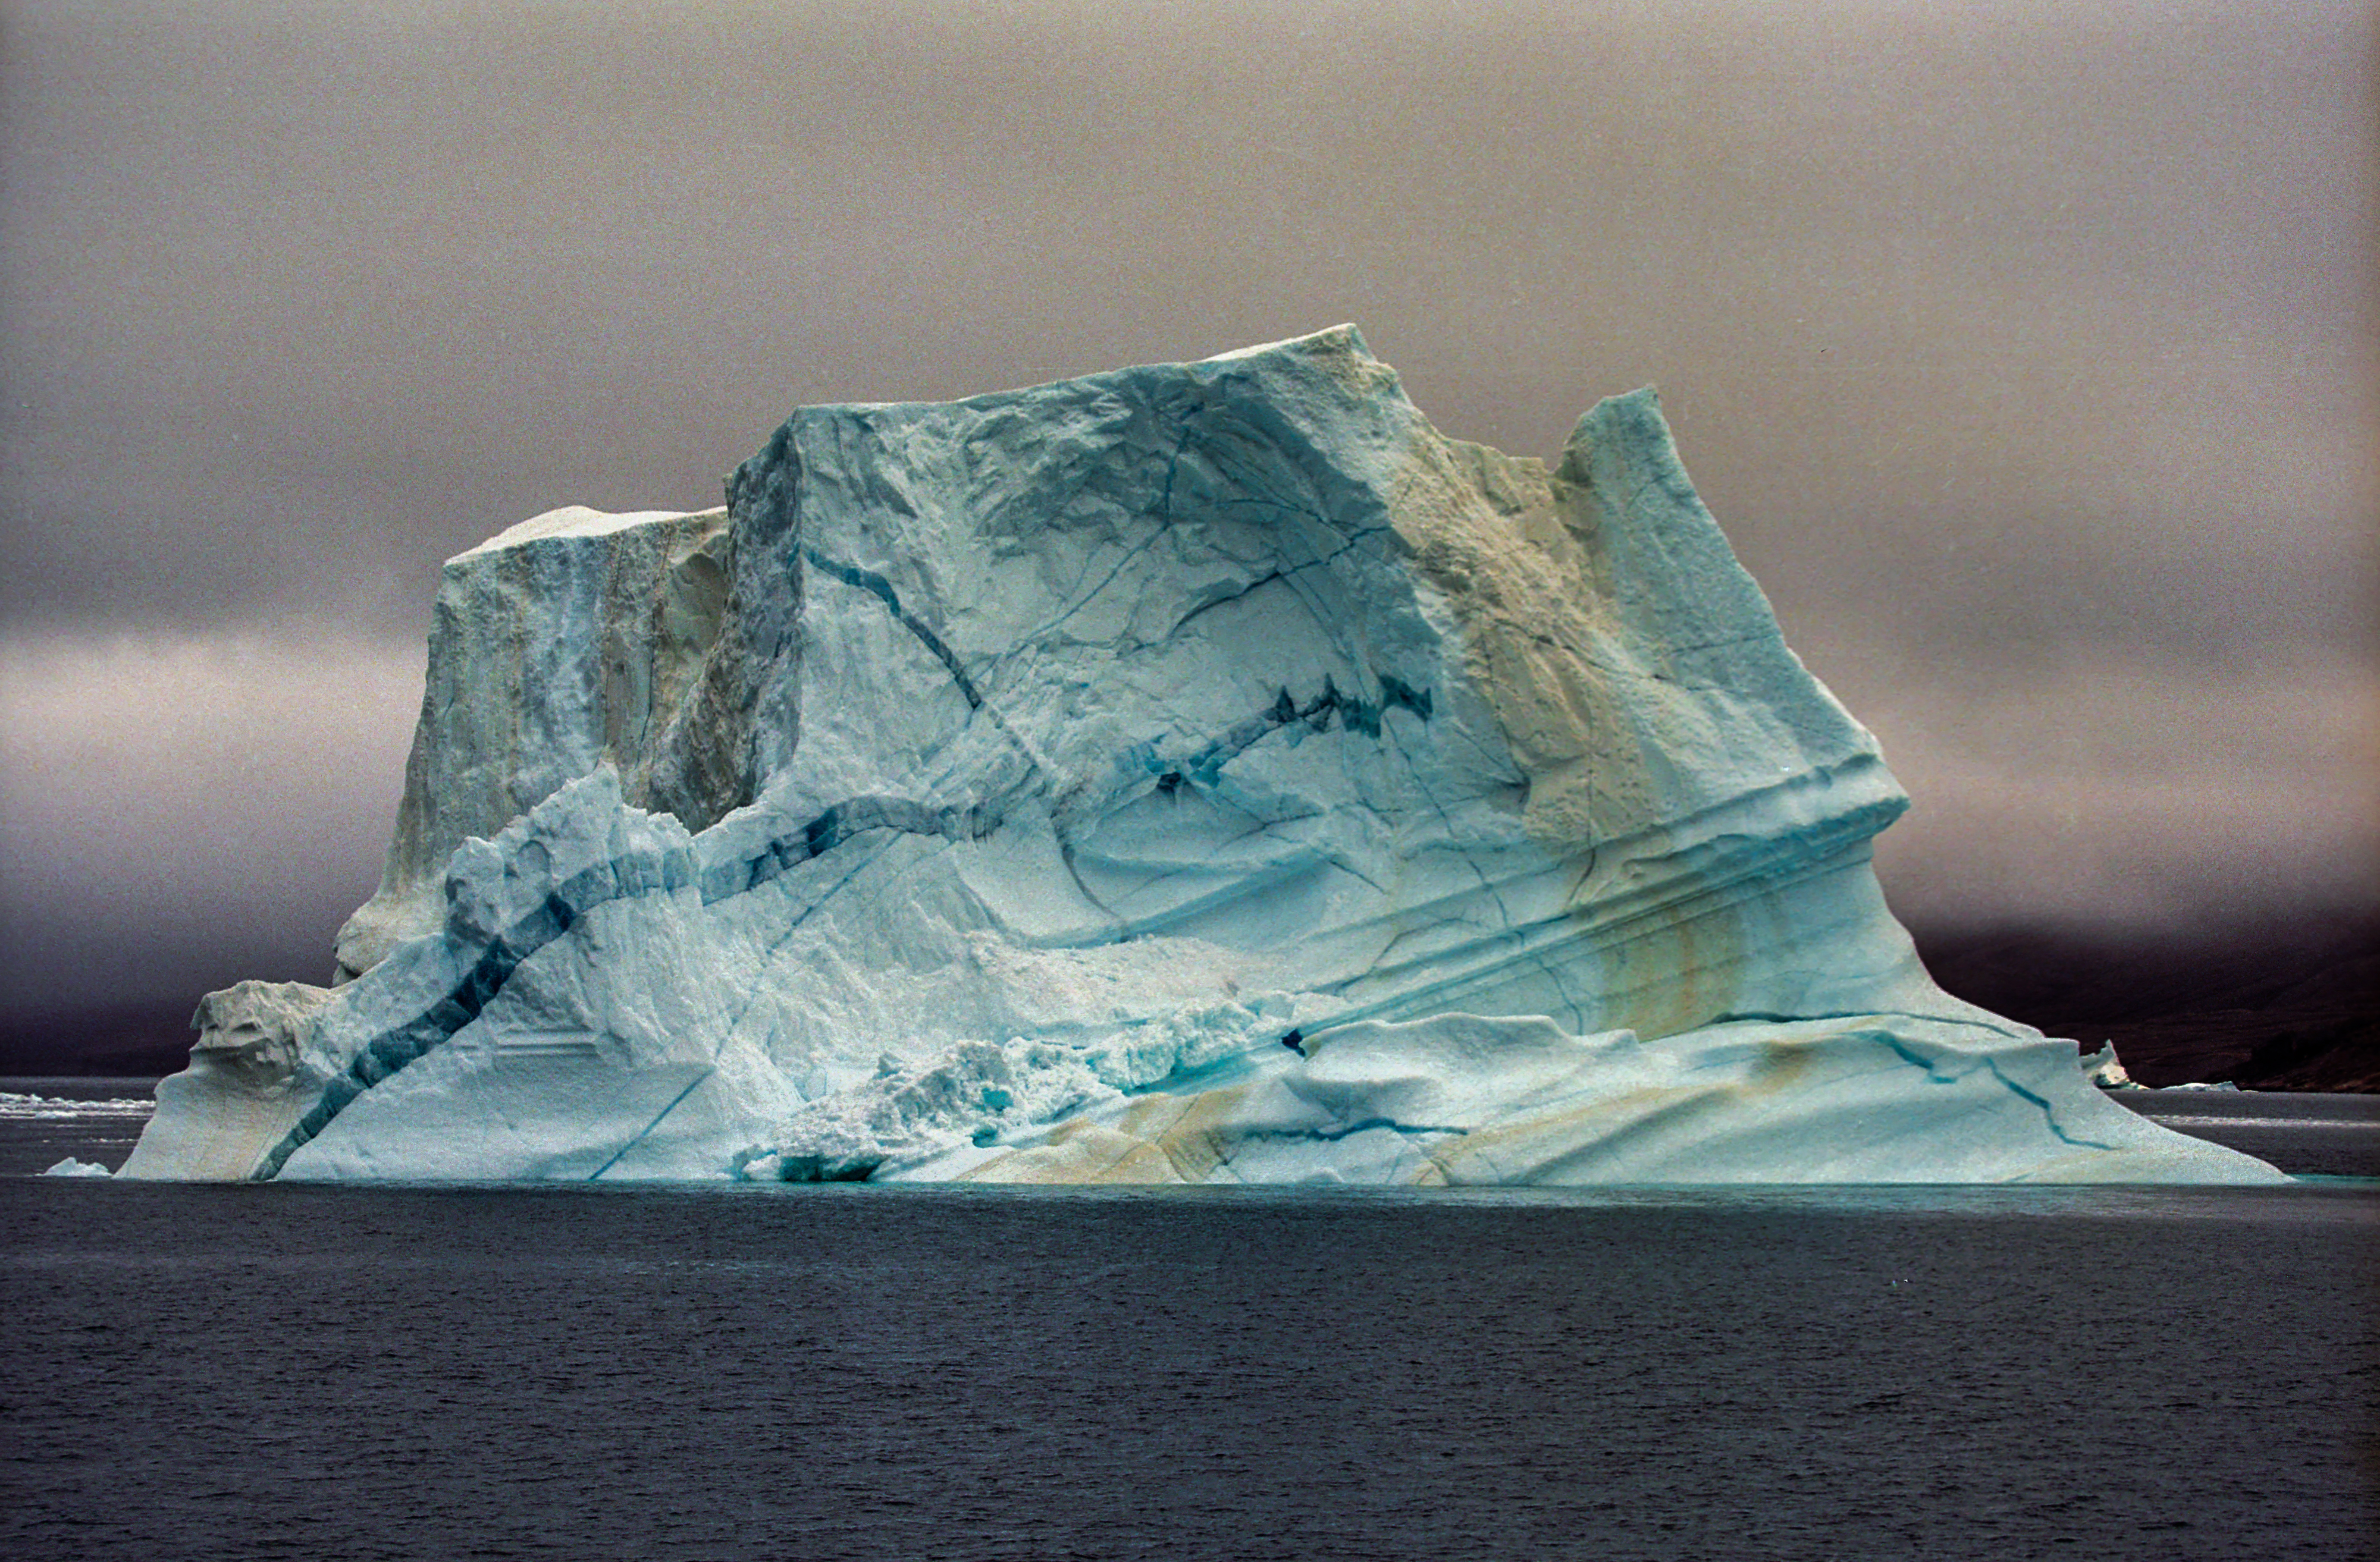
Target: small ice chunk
(2103, 1070)
(72, 1168)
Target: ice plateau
(1202, 772)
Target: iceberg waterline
(1195, 773)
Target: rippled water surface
(855, 1371)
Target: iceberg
(1197, 773)
(2104, 1070)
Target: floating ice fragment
(2103, 1070)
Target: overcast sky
(2029, 359)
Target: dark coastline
(119, 1041)
(2292, 1007)
(2274, 1007)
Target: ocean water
(2322, 1135)
(43, 1121)
(853, 1372)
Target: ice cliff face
(1200, 773)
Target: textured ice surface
(993, 789)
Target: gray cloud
(2130, 794)
(2003, 342)
(179, 811)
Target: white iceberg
(991, 789)
(2104, 1070)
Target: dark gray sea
(883, 1372)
